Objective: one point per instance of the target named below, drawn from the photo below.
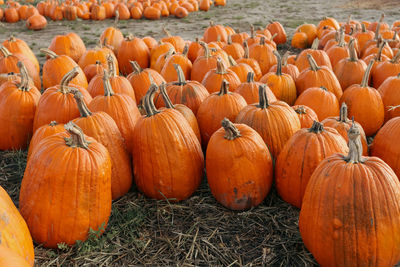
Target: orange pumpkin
(132, 49)
(306, 115)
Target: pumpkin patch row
(35, 16)
(162, 113)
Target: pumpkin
(389, 91)
(9, 77)
(342, 124)
(112, 36)
(350, 70)
(188, 93)
(132, 49)
(159, 50)
(151, 13)
(150, 42)
(275, 28)
(374, 48)
(158, 66)
(386, 69)
(239, 167)
(338, 52)
(365, 104)
(11, 15)
(36, 22)
(181, 12)
(324, 103)
(224, 104)
(348, 198)
(176, 40)
(281, 84)
(310, 30)
(241, 69)
(193, 51)
(301, 155)
(213, 78)
(88, 163)
(306, 115)
(249, 90)
(18, 46)
(70, 45)
(215, 33)
(97, 54)
(239, 37)
(251, 62)
(317, 76)
(364, 36)
(203, 64)
(385, 144)
(43, 132)
(9, 257)
(18, 102)
(204, 5)
(168, 70)
(286, 67)
(300, 40)
(275, 121)
(264, 55)
(120, 107)
(327, 21)
(319, 56)
(235, 50)
(57, 103)
(103, 128)
(56, 67)
(92, 70)
(178, 169)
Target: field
(198, 231)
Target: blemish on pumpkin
(372, 222)
(4, 218)
(337, 223)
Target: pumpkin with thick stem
(94, 69)
(286, 67)
(365, 104)
(184, 110)
(239, 166)
(386, 69)
(56, 67)
(188, 93)
(390, 92)
(70, 45)
(264, 55)
(351, 206)
(373, 49)
(317, 76)
(251, 62)
(275, 28)
(377, 58)
(234, 50)
(350, 70)
(324, 103)
(203, 64)
(120, 107)
(18, 46)
(57, 103)
(157, 51)
(18, 103)
(281, 84)
(300, 157)
(319, 56)
(43, 132)
(177, 171)
(241, 69)
(306, 115)
(112, 36)
(103, 128)
(275, 121)
(158, 66)
(224, 104)
(97, 54)
(213, 78)
(249, 90)
(339, 51)
(82, 167)
(239, 37)
(364, 36)
(168, 71)
(133, 49)
(120, 84)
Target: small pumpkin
(43, 132)
(213, 78)
(390, 92)
(306, 115)
(132, 49)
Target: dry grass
(195, 232)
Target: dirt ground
(198, 231)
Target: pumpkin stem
(116, 18)
(5, 51)
(246, 49)
(364, 82)
(343, 113)
(352, 51)
(229, 42)
(224, 88)
(148, 101)
(323, 88)
(382, 17)
(251, 31)
(185, 50)
(108, 91)
(250, 77)
(48, 53)
(111, 66)
(206, 49)
(167, 100)
(53, 123)
(181, 76)
(67, 79)
(136, 67)
(313, 65)
(231, 132)
(378, 56)
(232, 62)
(341, 38)
(278, 64)
(83, 108)
(167, 33)
(77, 138)
(363, 28)
(220, 67)
(315, 44)
(130, 37)
(12, 39)
(300, 110)
(390, 108)
(285, 58)
(378, 27)
(355, 146)
(24, 85)
(316, 127)
(262, 40)
(396, 58)
(262, 92)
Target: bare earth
(198, 231)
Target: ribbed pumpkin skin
(390, 92)
(249, 91)
(349, 72)
(351, 214)
(113, 37)
(81, 190)
(212, 80)
(306, 115)
(282, 86)
(98, 54)
(43, 132)
(133, 50)
(13, 230)
(140, 82)
(124, 112)
(177, 169)
(102, 127)
(239, 171)
(70, 45)
(300, 157)
(17, 111)
(320, 57)
(120, 85)
(276, 123)
(9, 257)
(386, 145)
(15, 45)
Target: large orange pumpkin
(43, 132)
(390, 92)
(132, 49)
